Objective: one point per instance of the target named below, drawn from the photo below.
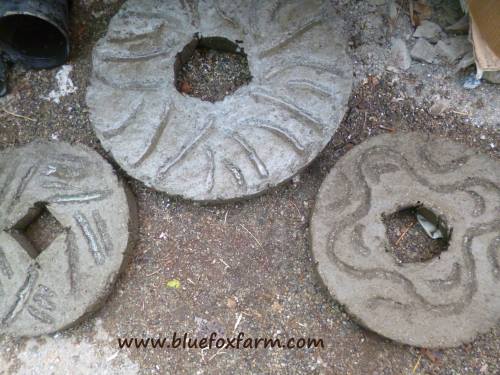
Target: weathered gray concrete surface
(440, 303)
(274, 284)
(256, 138)
(52, 290)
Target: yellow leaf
(176, 284)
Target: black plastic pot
(35, 32)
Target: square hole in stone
(37, 230)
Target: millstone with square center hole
(46, 289)
(257, 137)
(444, 301)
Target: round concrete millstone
(258, 137)
(73, 275)
(443, 302)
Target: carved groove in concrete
(256, 138)
(442, 302)
(58, 286)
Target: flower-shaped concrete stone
(441, 302)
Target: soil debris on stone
(43, 230)
(211, 75)
(409, 243)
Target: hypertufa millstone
(43, 290)
(256, 138)
(442, 302)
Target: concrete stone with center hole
(256, 138)
(442, 302)
(45, 291)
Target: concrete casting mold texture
(439, 303)
(260, 136)
(74, 274)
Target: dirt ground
(248, 264)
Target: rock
(419, 304)
(428, 30)
(424, 51)
(492, 77)
(49, 287)
(453, 48)
(466, 61)
(392, 11)
(439, 107)
(400, 56)
(461, 26)
(256, 138)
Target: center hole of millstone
(416, 234)
(211, 68)
(37, 230)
